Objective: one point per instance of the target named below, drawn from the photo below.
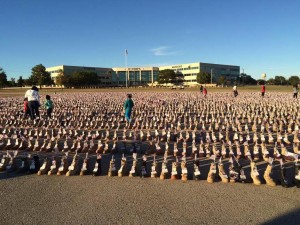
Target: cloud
(163, 50)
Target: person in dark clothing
(201, 89)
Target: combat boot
(73, 168)
(164, 170)
(112, 167)
(4, 162)
(212, 173)
(63, 168)
(174, 171)
(222, 173)
(267, 177)
(122, 170)
(254, 174)
(197, 173)
(97, 169)
(184, 172)
(54, 167)
(45, 167)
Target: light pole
(211, 75)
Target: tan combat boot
(212, 173)
(222, 173)
(254, 174)
(184, 172)
(267, 176)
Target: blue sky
(260, 36)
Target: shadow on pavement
(292, 217)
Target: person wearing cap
(128, 105)
(33, 102)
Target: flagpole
(126, 72)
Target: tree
(280, 80)
(20, 82)
(222, 80)
(246, 79)
(271, 81)
(203, 78)
(40, 76)
(59, 80)
(179, 79)
(166, 76)
(3, 78)
(293, 80)
(13, 82)
(82, 78)
(260, 82)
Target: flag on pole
(126, 52)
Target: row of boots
(32, 164)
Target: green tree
(222, 80)
(40, 76)
(82, 78)
(293, 80)
(203, 78)
(20, 82)
(13, 82)
(3, 78)
(280, 80)
(59, 80)
(179, 79)
(271, 81)
(166, 76)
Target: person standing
(128, 105)
(201, 89)
(235, 92)
(33, 102)
(26, 108)
(295, 91)
(49, 106)
(204, 91)
(263, 90)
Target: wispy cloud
(162, 50)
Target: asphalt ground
(32, 199)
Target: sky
(260, 36)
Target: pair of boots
(267, 175)
(212, 173)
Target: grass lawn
(21, 91)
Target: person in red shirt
(26, 108)
(263, 90)
(204, 91)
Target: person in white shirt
(235, 92)
(33, 102)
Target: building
(190, 71)
(140, 76)
(105, 74)
(136, 76)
